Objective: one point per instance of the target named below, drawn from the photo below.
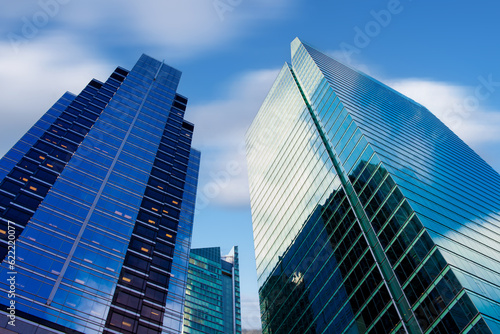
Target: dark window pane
(136, 262)
(46, 176)
(144, 232)
(18, 215)
(26, 164)
(12, 187)
(127, 300)
(27, 201)
(155, 295)
(159, 278)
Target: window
(84, 121)
(162, 263)
(147, 217)
(62, 124)
(132, 280)
(180, 106)
(26, 164)
(174, 191)
(128, 300)
(43, 146)
(27, 201)
(164, 156)
(68, 145)
(144, 232)
(67, 117)
(148, 330)
(168, 222)
(73, 137)
(54, 165)
(5, 200)
(46, 175)
(170, 236)
(117, 77)
(36, 155)
(181, 167)
(79, 129)
(178, 174)
(157, 184)
(172, 136)
(172, 200)
(160, 174)
(136, 262)
(72, 110)
(157, 195)
(16, 215)
(152, 314)
(10, 186)
(19, 175)
(90, 115)
(162, 165)
(164, 249)
(166, 148)
(121, 71)
(60, 154)
(140, 246)
(123, 322)
(159, 278)
(150, 205)
(173, 212)
(182, 100)
(155, 295)
(50, 138)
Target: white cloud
(53, 46)
(34, 80)
(250, 312)
(221, 125)
(456, 106)
(220, 133)
(344, 58)
(178, 29)
(223, 121)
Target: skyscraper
(98, 197)
(369, 214)
(213, 292)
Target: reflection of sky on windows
(75, 244)
(398, 158)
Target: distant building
(369, 214)
(213, 292)
(99, 198)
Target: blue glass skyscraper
(213, 292)
(98, 197)
(369, 214)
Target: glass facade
(213, 292)
(369, 214)
(99, 197)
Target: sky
(443, 55)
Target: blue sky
(442, 54)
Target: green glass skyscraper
(213, 292)
(369, 214)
